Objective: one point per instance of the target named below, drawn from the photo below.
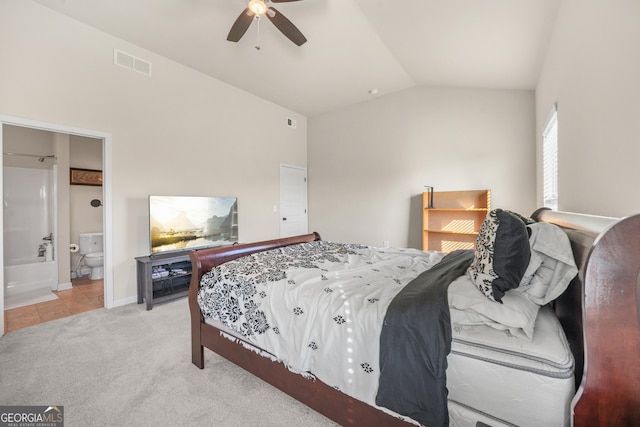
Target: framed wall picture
(85, 177)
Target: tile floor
(84, 295)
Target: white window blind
(550, 161)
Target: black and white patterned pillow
(502, 254)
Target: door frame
(107, 217)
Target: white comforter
(318, 307)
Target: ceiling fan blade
(282, 1)
(241, 25)
(285, 26)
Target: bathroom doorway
(61, 240)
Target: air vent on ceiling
(131, 62)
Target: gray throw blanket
(415, 341)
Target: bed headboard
(601, 316)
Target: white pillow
(469, 306)
(552, 266)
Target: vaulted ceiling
(354, 46)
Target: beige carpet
(131, 367)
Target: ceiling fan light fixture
(258, 7)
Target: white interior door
(293, 201)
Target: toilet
(92, 250)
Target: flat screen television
(190, 222)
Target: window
(550, 161)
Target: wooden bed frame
(599, 312)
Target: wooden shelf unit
(454, 220)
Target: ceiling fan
(255, 10)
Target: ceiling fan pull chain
(258, 45)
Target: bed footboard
(204, 260)
(313, 393)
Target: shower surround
(30, 266)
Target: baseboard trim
(125, 301)
(64, 286)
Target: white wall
(592, 70)
(178, 132)
(27, 141)
(368, 164)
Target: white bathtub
(29, 274)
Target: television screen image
(190, 222)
